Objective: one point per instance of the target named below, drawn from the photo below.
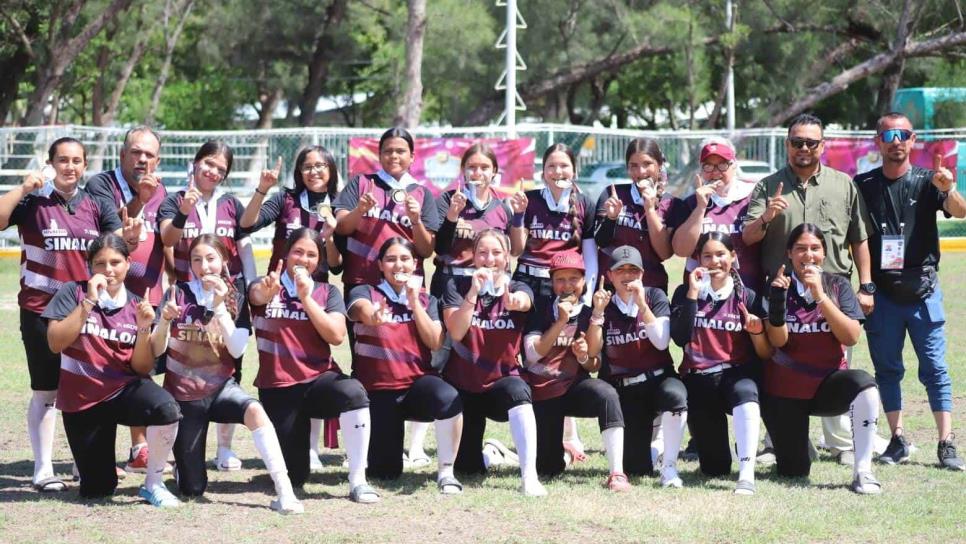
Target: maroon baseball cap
(567, 260)
(719, 149)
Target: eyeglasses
(895, 134)
(320, 166)
(720, 167)
(798, 143)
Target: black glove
(777, 298)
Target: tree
(411, 104)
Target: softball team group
(589, 296)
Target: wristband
(517, 220)
(597, 320)
(179, 220)
(89, 301)
(144, 329)
(261, 193)
(472, 302)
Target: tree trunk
(268, 101)
(779, 113)
(892, 77)
(321, 62)
(410, 108)
(63, 49)
(170, 42)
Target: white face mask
(108, 303)
(495, 285)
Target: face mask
(107, 303)
(564, 183)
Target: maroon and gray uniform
(552, 232)
(284, 210)
(631, 229)
(195, 371)
(627, 352)
(812, 352)
(726, 220)
(715, 332)
(385, 220)
(391, 356)
(454, 241)
(97, 365)
(490, 350)
(228, 210)
(289, 348)
(147, 260)
(54, 236)
(556, 371)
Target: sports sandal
(363, 494)
(866, 484)
(50, 484)
(449, 485)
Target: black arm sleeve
(777, 299)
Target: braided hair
(725, 240)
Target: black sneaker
(947, 455)
(897, 451)
(690, 453)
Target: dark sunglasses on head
(798, 143)
(893, 134)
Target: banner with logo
(437, 160)
(854, 156)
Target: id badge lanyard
(893, 250)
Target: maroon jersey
(97, 364)
(727, 220)
(558, 370)
(490, 350)
(286, 212)
(627, 351)
(454, 241)
(812, 352)
(290, 349)
(147, 261)
(553, 232)
(54, 235)
(631, 229)
(386, 219)
(228, 210)
(195, 371)
(717, 331)
(391, 356)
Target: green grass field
(920, 502)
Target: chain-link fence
(24, 149)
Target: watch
(868, 288)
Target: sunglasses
(798, 143)
(895, 134)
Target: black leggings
(711, 398)
(587, 398)
(506, 393)
(787, 419)
(42, 364)
(640, 404)
(227, 405)
(91, 433)
(290, 409)
(428, 399)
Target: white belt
(641, 378)
(458, 270)
(712, 369)
(534, 271)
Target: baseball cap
(626, 255)
(719, 149)
(566, 260)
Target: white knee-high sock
(657, 440)
(226, 431)
(673, 424)
(356, 427)
(160, 441)
(315, 430)
(523, 428)
(613, 439)
(266, 442)
(448, 433)
(417, 438)
(865, 421)
(41, 418)
(570, 433)
(747, 420)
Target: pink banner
(437, 160)
(854, 156)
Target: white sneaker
(533, 488)
(287, 505)
(671, 480)
(509, 457)
(315, 464)
(227, 460)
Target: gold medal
(324, 211)
(399, 196)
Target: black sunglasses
(798, 143)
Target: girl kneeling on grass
(102, 332)
(812, 317)
(200, 332)
(722, 344)
(297, 319)
(396, 327)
